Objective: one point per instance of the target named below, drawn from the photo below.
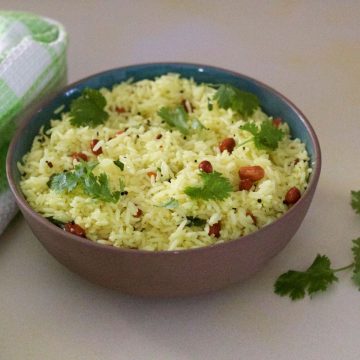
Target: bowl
(165, 273)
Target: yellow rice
(173, 157)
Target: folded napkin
(32, 63)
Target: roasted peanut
(227, 144)
(253, 173)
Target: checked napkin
(32, 63)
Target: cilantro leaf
(356, 255)
(355, 201)
(215, 187)
(171, 204)
(84, 168)
(251, 128)
(95, 186)
(356, 278)
(65, 181)
(319, 275)
(243, 102)
(88, 109)
(177, 118)
(98, 188)
(119, 164)
(316, 278)
(265, 138)
(195, 221)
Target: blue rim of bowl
(38, 106)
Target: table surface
(308, 50)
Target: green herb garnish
(195, 221)
(319, 276)
(179, 119)
(119, 164)
(230, 97)
(215, 187)
(316, 278)
(88, 109)
(356, 264)
(98, 188)
(355, 201)
(265, 138)
(95, 186)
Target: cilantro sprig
(230, 97)
(82, 177)
(179, 119)
(316, 278)
(88, 109)
(267, 137)
(214, 187)
(320, 275)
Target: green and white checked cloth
(32, 63)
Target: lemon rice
(159, 163)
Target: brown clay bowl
(166, 273)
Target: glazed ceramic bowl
(166, 273)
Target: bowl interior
(271, 101)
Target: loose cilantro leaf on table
(179, 119)
(356, 255)
(266, 137)
(215, 187)
(355, 201)
(356, 278)
(316, 278)
(95, 186)
(230, 97)
(88, 109)
(319, 275)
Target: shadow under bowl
(165, 273)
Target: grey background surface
(308, 50)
